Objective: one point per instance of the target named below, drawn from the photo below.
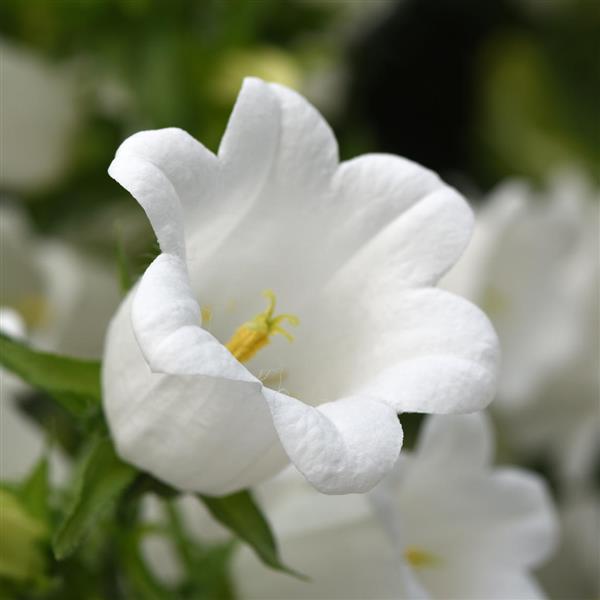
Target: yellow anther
(206, 312)
(254, 335)
(418, 558)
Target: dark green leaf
(72, 382)
(98, 482)
(240, 513)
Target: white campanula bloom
(58, 301)
(65, 298)
(444, 524)
(196, 389)
(534, 266)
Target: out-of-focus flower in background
(58, 300)
(64, 297)
(573, 572)
(534, 267)
(445, 524)
(40, 115)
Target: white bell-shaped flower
(351, 251)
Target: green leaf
(206, 566)
(98, 482)
(35, 491)
(72, 382)
(21, 557)
(140, 578)
(240, 513)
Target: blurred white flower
(352, 250)
(57, 300)
(17, 435)
(40, 114)
(445, 524)
(533, 266)
(65, 298)
(21, 443)
(575, 570)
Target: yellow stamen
(254, 335)
(419, 558)
(206, 312)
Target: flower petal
(422, 350)
(480, 582)
(188, 430)
(166, 171)
(166, 320)
(308, 153)
(279, 216)
(372, 191)
(246, 155)
(249, 145)
(419, 245)
(341, 447)
(466, 439)
(501, 518)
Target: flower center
(419, 558)
(255, 334)
(34, 309)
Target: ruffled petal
(341, 447)
(400, 216)
(167, 171)
(246, 155)
(167, 323)
(419, 245)
(200, 434)
(281, 218)
(422, 350)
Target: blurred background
(500, 97)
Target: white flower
(59, 301)
(444, 525)
(533, 265)
(21, 442)
(350, 249)
(39, 117)
(65, 298)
